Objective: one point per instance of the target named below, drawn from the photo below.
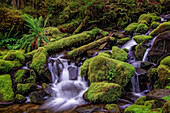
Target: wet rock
(167, 17)
(147, 65)
(37, 97)
(142, 38)
(20, 98)
(123, 41)
(113, 108)
(130, 28)
(25, 89)
(6, 90)
(72, 72)
(119, 54)
(140, 71)
(154, 25)
(142, 28)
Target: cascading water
(68, 86)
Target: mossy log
(81, 50)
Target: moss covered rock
(140, 101)
(8, 66)
(137, 109)
(154, 25)
(149, 17)
(166, 107)
(142, 38)
(140, 51)
(113, 108)
(6, 90)
(103, 92)
(20, 98)
(102, 68)
(25, 89)
(123, 41)
(161, 28)
(85, 67)
(119, 54)
(130, 28)
(142, 28)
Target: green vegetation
(119, 54)
(142, 38)
(25, 89)
(131, 27)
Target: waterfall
(129, 44)
(68, 86)
(148, 50)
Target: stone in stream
(26, 88)
(119, 54)
(37, 97)
(20, 98)
(72, 72)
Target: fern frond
(10, 31)
(47, 20)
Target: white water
(67, 93)
(129, 44)
(148, 50)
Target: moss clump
(20, 76)
(106, 69)
(119, 54)
(141, 100)
(140, 51)
(123, 41)
(166, 61)
(142, 28)
(150, 103)
(143, 22)
(103, 92)
(154, 25)
(19, 98)
(6, 90)
(85, 67)
(104, 54)
(113, 107)
(161, 28)
(149, 17)
(142, 38)
(137, 109)
(8, 66)
(25, 89)
(31, 79)
(130, 28)
(166, 107)
(39, 59)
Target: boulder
(85, 67)
(142, 28)
(136, 109)
(142, 38)
(20, 98)
(6, 90)
(119, 54)
(160, 48)
(123, 41)
(113, 108)
(130, 28)
(106, 69)
(37, 97)
(140, 51)
(25, 89)
(72, 72)
(149, 17)
(154, 25)
(103, 92)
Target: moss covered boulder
(140, 101)
(25, 89)
(161, 28)
(149, 17)
(137, 109)
(103, 92)
(119, 54)
(8, 66)
(166, 107)
(6, 90)
(85, 67)
(142, 28)
(113, 108)
(154, 25)
(20, 98)
(140, 51)
(160, 48)
(130, 28)
(142, 38)
(106, 69)
(123, 41)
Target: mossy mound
(149, 17)
(166, 107)
(140, 51)
(25, 89)
(137, 109)
(103, 92)
(140, 101)
(142, 28)
(154, 25)
(8, 66)
(113, 108)
(106, 69)
(119, 54)
(130, 28)
(20, 98)
(123, 40)
(6, 90)
(161, 28)
(85, 67)
(142, 38)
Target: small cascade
(147, 51)
(68, 86)
(129, 44)
(135, 83)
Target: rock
(142, 38)
(103, 92)
(136, 109)
(140, 101)
(123, 41)
(106, 69)
(140, 51)
(166, 107)
(20, 98)
(160, 48)
(8, 66)
(157, 95)
(6, 90)
(161, 28)
(85, 67)
(25, 89)
(149, 17)
(37, 97)
(72, 73)
(147, 65)
(130, 28)
(142, 28)
(113, 108)
(154, 25)
(119, 54)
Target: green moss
(126, 50)
(20, 56)
(6, 90)
(44, 85)
(142, 38)
(39, 59)
(8, 66)
(161, 28)
(149, 17)
(143, 22)
(166, 61)
(142, 28)
(20, 98)
(140, 51)
(130, 28)
(25, 89)
(150, 103)
(31, 79)
(104, 54)
(123, 40)
(137, 109)
(154, 25)
(156, 110)
(85, 67)
(102, 68)
(113, 107)
(141, 100)
(20, 76)
(166, 107)
(119, 54)
(103, 92)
